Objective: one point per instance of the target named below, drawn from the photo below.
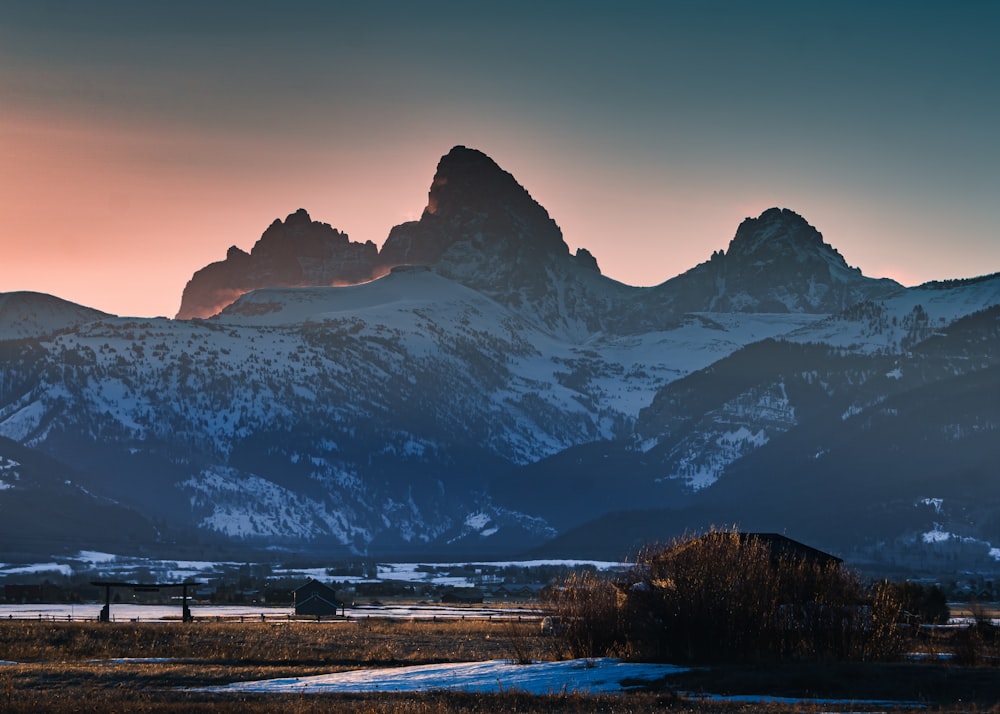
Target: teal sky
(138, 141)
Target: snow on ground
(584, 676)
(123, 567)
(132, 612)
(35, 568)
(591, 676)
(93, 557)
(935, 304)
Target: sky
(138, 141)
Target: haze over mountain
(482, 391)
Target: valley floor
(169, 666)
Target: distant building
(528, 591)
(316, 599)
(463, 595)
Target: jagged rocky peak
(473, 200)
(295, 252)
(776, 262)
(479, 223)
(299, 235)
(779, 262)
(780, 233)
(586, 259)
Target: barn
(316, 599)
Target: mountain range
(474, 389)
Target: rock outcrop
(291, 253)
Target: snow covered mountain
(491, 391)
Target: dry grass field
(152, 667)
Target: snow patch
(592, 676)
(935, 503)
(477, 521)
(936, 536)
(851, 411)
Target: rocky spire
(781, 234)
(473, 200)
(294, 252)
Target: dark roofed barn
(316, 599)
(778, 546)
(463, 596)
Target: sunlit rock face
(295, 252)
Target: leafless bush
(728, 596)
(590, 614)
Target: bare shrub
(921, 604)
(590, 616)
(729, 596)
(979, 641)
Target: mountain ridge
(499, 392)
(482, 228)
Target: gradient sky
(139, 140)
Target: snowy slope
(360, 416)
(347, 374)
(895, 323)
(27, 315)
(382, 415)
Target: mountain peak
(474, 202)
(467, 179)
(776, 262)
(463, 171)
(300, 217)
(295, 252)
(779, 231)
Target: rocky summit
(490, 394)
(473, 201)
(296, 251)
(476, 213)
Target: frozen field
(592, 676)
(166, 613)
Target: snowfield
(129, 612)
(590, 676)
(578, 676)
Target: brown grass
(72, 667)
(374, 642)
